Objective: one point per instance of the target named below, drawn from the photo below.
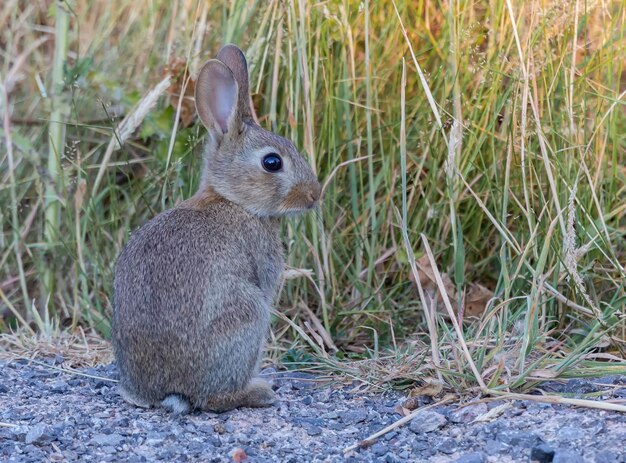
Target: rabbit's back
(184, 250)
(190, 285)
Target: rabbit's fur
(195, 285)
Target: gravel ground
(65, 417)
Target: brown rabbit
(195, 285)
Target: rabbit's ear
(217, 97)
(233, 57)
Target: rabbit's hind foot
(132, 398)
(257, 394)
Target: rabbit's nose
(315, 192)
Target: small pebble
(570, 433)
(448, 446)
(517, 438)
(58, 387)
(313, 430)
(379, 449)
(107, 439)
(427, 421)
(567, 456)
(542, 453)
(468, 413)
(37, 434)
(352, 417)
(608, 456)
(476, 457)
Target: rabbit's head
(246, 164)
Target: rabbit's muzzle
(303, 196)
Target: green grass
(484, 146)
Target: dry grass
(78, 349)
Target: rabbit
(194, 286)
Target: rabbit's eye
(272, 162)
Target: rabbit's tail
(177, 404)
